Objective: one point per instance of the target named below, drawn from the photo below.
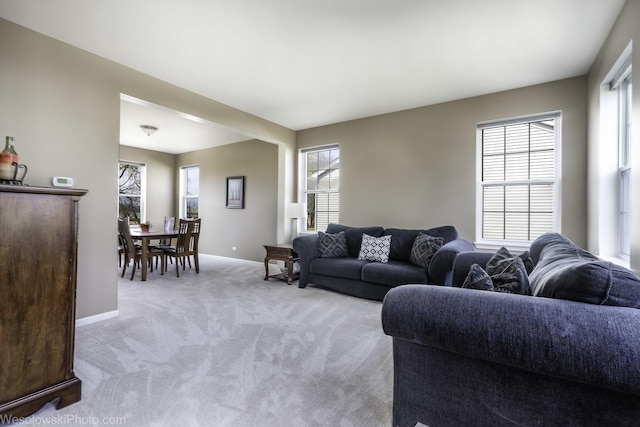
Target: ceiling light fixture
(148, 129)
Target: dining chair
(169, 224)
(186, 245)
(120, 251)
(195, 237)
(134, 253)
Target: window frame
(304, 191)
(184, 197)
(143, 190)
(622, 83)
(555, 181)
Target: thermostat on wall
(62, 181)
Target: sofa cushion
(332, 245)
(424, 248)
(375, 248)
(393, 273)
(478, 279)
(346, 268)
(508, 275)
(401, 242)
(566, 271)
(447, 232)
(504, 254)
(354, 235)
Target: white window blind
(321, 186)
(517, 195)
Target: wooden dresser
(38, 248)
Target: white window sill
(513, 247)
(622, 261)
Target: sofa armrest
(588, 343)
(463, 263)
(442, 262)
(306, 246)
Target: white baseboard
(97, 318)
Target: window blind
(321, 186)
(518, 179)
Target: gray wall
(413, 168)
(417, 168)
(245, 229)
(62, 105)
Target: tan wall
(245, 229)
(417, 168)
(62, 105)
(603, 145)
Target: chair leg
(177, 268)
(196, 262)
(133, 269)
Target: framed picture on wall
(235, 192)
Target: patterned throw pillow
(504, 273)
(503, 253)
(332, 245)
(424, 248)
(375, 248)
(478, 279)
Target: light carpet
(226, 348)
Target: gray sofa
(372, 280)
(568, 355)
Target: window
(622, 84)
(321, 172)
(517, 192)
(189, 189)
(131, 191)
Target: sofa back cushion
(401, 242)
(564, 270)
(447, 232)
(354, 236)
(402, 239)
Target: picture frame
(235, 192)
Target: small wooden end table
(282, 252)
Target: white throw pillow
(375, 248)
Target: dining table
(147, 236)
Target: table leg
(145, 255)
(266, 268)
(289, 270)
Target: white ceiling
(307, 63)
(177, 132)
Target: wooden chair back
(127, 241)
(195, 234)
(185, 230)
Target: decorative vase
(8, 157)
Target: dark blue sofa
(373, 280)
(567, 356)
